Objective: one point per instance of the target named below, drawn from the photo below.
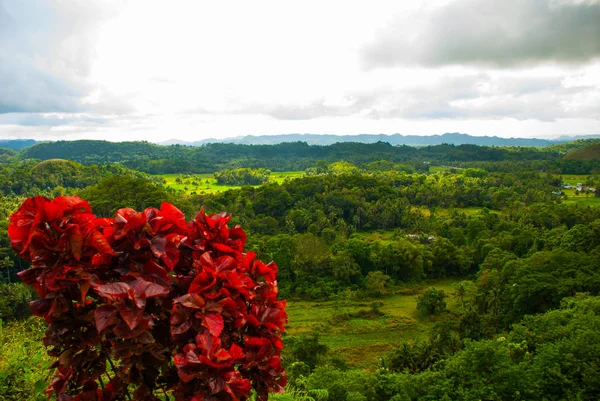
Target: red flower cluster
(144, 303)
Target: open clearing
(581, 199)
(362, 341)
(444, 169)
(207, 184)
(573, 179)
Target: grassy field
(581, 199)
(443, 169)
(363, 340)
(206, 183)
(573, 179)
(24, 373)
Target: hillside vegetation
(591, 152)
(156, 159)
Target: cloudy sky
(155, 70)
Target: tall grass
(24, 373)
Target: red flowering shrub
(145, 304)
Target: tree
(432, 301)
(308, 349)
(119, 191)
(375, 283)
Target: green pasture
(207, 184)
(363, 340)
(573, 179)
(385, 236)
(581, 199)
(443, 169)
(281, 176)
(445, 211)
(575, 198)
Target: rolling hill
(591, 152)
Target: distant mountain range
(17, 144)
(395, 139)
(327, 139)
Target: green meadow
(443, 169)
(207, 184)
(573, 179)
(574, 197)
(580, 199)
(363, 331)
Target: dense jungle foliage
(368, 224)
(156, 159)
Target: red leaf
(58, 306)
(214, 323)
(202, 281)
(171, 256)
(76, 241)
(113, 388)
(173, 215)
(40, 307)
(158, 245)
(216, 384)
(269, 272)
(131, 315)
(84, 287)
(150, 271)
(208, 342)
(118, 290)
(63, 206)
(236, 352)
(225, 263)
(23, 222)
(148, 289)
(128, 220)
(191, 301)
(30, 277)
(248, 260)
(100, 259)
(105, 316)
(237, 386)
(167, 249)
(237, 238)
(99, 242)
(179, 322)
(225, 249)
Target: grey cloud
(500, 33)
(476, 96)
(45, 54)
(485, 97)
